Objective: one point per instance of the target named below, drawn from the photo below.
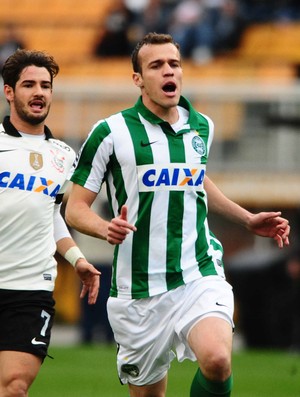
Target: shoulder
(196, 117)
(110, 125)
(113, 123)
(122, 116)
(63, 147)
(204, 118)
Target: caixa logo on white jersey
(175, 176)
(29, 183)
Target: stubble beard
(28, 117)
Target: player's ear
(137, 79)
(8, 92)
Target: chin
(173, 101)
(37, 118)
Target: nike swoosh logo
(36, 342)
(144, 144)
(220, 304)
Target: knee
(216, 366)
(16, 387)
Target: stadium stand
(34, 12)
(279, 42)
(63, 28)
(68, 31)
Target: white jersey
(33, 176)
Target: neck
(26, 127)
(167, 113)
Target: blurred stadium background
(252, 93)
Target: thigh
(157, 389)
(18, 366)
(211, 341)
(26, 319)
(209, 297)
(210, 334)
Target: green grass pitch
(90, 371)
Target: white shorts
(149, 331)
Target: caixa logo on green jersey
(29, 183)
(175, 176)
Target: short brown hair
(20, 59)
(150, 38)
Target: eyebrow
(35, 81)
(160, 60)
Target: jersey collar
(11, 130)
(193, 120)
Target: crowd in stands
(260, 11)
(11, 41)
(203, 28)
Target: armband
(73, 254)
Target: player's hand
(271, 224)
(119, 228)
(90, 278)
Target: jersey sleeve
(93, 158)
(60, 227)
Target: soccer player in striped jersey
(33, 177)
(169, 295)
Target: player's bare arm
(265, 224)
(80, 215)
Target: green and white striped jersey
(158, 173)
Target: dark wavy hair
(150, 38)
(20, 59)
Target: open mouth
(37, 105)
(169, 87)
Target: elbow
(69, 218)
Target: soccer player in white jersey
(33, 177)
(168, 294)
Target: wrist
(73, 254)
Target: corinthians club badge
(36, 160)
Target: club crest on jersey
(58, 160)
(174, 176)
(199, 145)
(36, 160)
